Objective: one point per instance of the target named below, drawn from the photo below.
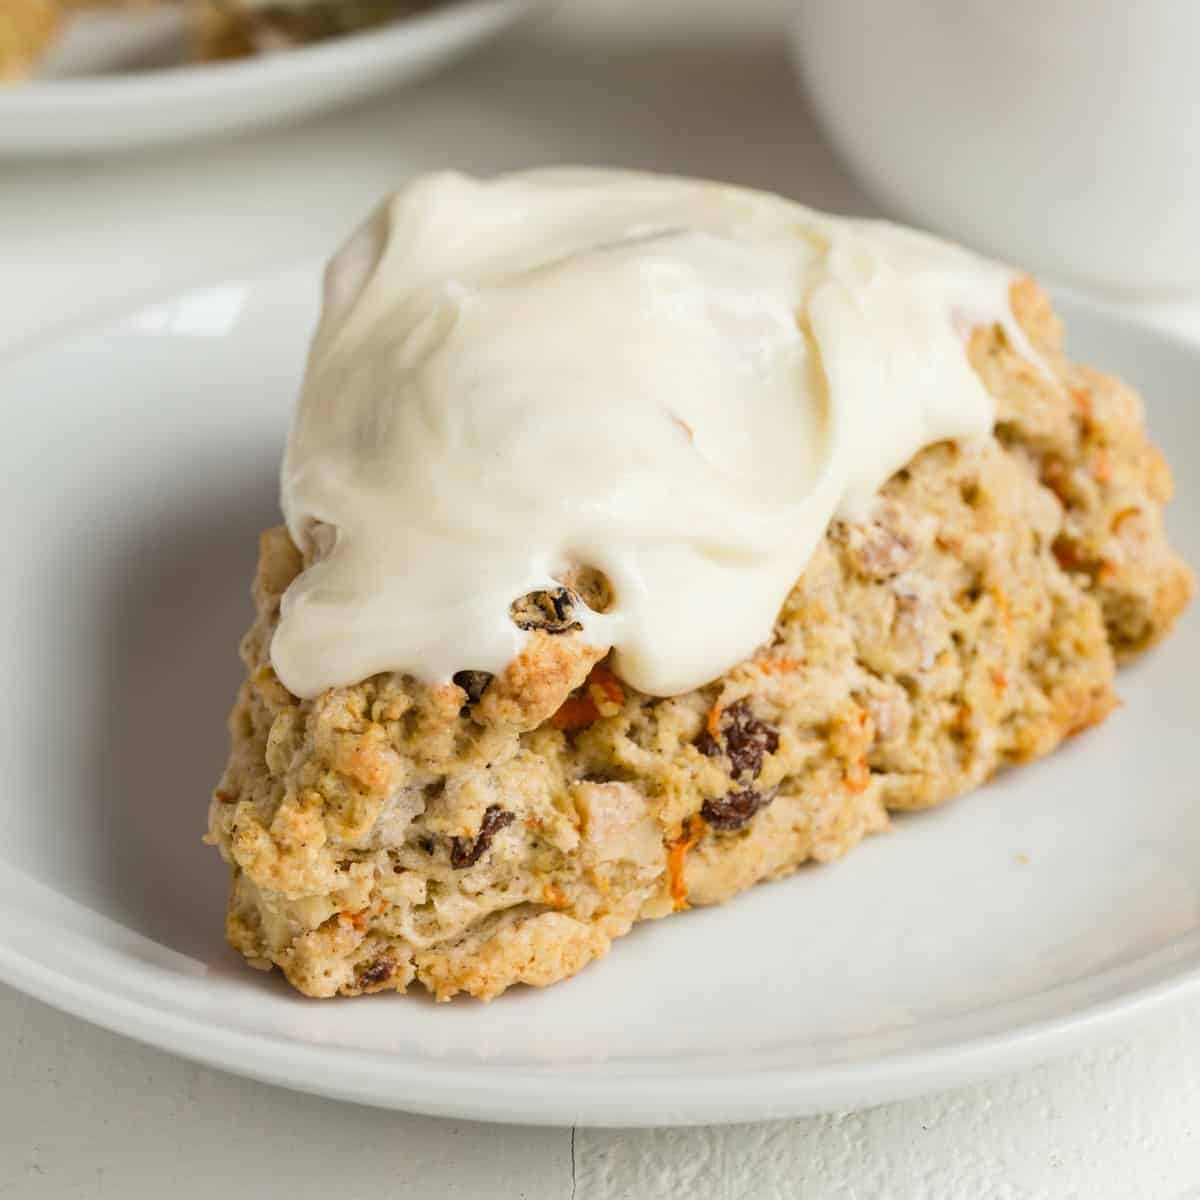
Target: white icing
(676, 382)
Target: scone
(416, 793)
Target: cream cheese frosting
(674, 382)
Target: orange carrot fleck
(713, 724)
(693, 830)
(357, 919)
(1083, 401)
(999, 678)
(1102, 466)
(605, 690)
(779, 666)
(601, 696)
(858, 777)
(575, 712)
(554, 896)
(1124, 515)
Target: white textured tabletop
(695, 86)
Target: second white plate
(113, 83)
(139, 463)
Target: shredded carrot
(1102, 466)
(605, 690)
(223, 797)
(713, 724)
(554, 896)
(1106, 571)
(575, 712)
(779, 666)
(999, 678)
(1083, 401)
(357, 919)
(1124, 515)
(693, 830)
(858, 777)
(601, 696)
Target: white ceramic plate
(113, 82)
(138, 466)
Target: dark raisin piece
(735, 810)
(474, 683)
(550, 611)
(375, 972)
(745, 740)
(427, 844)
(466, 852)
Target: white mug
(1061, 135)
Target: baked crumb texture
(505, 830)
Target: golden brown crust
(506, 831)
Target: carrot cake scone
(646, 538)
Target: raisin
(375, 972)
(550, 611)
(466, 852)
(474, 683)
(746, 739)
(427, 844)
(735, 810)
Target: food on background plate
(221, 28)
(238, 28)
(27, 27)
(646, 538)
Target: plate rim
(604, 1094)
(616, 1098)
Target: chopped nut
(873, 550)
